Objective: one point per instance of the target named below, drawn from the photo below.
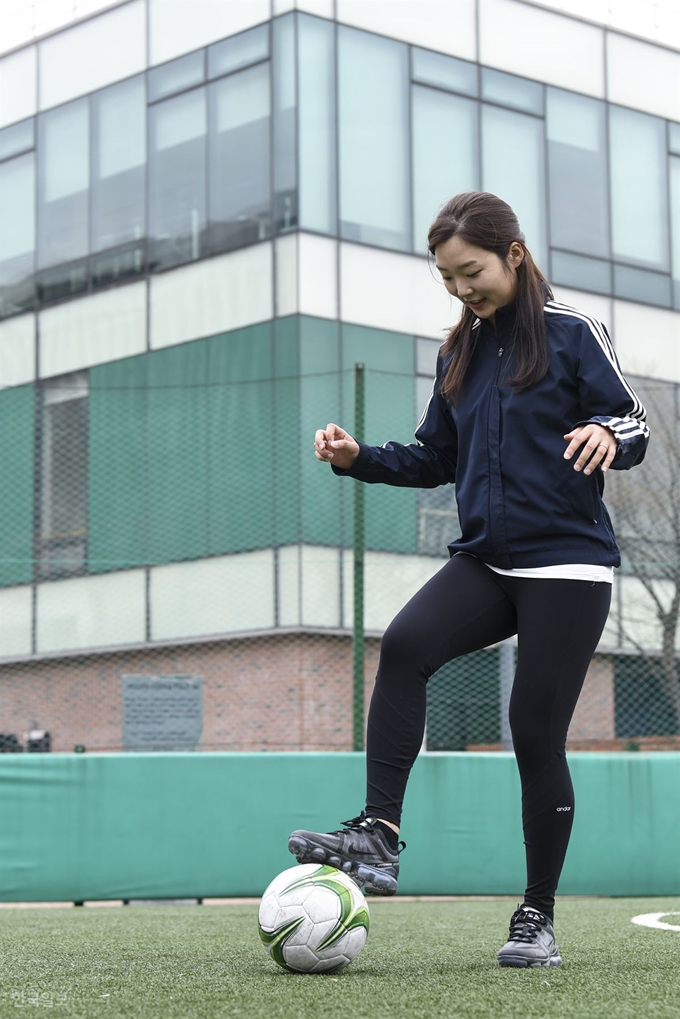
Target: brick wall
(286, 693)
(595, 718)
(290, 692)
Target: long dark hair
(488, 222)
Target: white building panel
(93, 330)
(318, 276)
(90, 612)
(610, 634)
(227, 594)
(598, 10)
(667, 27)
(213, 296)
(657, 20)
(643, 76)
(17, 350)
(391, 291)
(23, 21)
(288, 580)
(640, 625)
(390, 581)
(18, 86)
(595, 305)
(93, 54)
(286, 252)
(309, 586)
(179, 26)
(16, 619)
(438, 25)
(322, 8)
(320, 586)
(647, 340)
(539, 44)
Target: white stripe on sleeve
(598, 331)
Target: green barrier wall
(104, 826)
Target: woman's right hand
(334, 445)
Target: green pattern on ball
(350, 917)
(275, 940)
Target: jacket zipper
(498, 470)
(498, 370)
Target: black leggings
(465, 607)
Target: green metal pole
(359, 546)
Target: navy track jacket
(521, 504)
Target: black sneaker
(360, 850)
(531, 941)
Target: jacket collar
(505, 320)
(505, 315)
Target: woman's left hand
(600, 447)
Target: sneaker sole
(520, 962)
(373, 880)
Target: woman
(528, 411)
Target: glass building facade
(303, 123)
(207, 222)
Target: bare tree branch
(646, 502)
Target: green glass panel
(286, 466)
(118, 518)
(391, 513)
(240, 441)
(463, 703)
(17, 417)
(323, 495)
(641, 691)
(178, 452)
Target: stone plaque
(162, 712)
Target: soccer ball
(313, 919)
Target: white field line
(654, 920)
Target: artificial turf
(423, 960)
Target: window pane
(640, 285)
(520, 180)
(63, 183)
(176, 76)
(423, 394)
(445, 154)
(285, 165)
(509, 90)
(317, 123)
(374, 158)
(674, 138)
(591, 274)
(445, 72)
(63, 488)
(17, 138)
(638, 175)
(17, 453)
(119, 166)
(438, 524)
(177, 178)
(577, 160)
(238, 51)
(675, 224)
(17, 237)
(426, 356)
(239, 159)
